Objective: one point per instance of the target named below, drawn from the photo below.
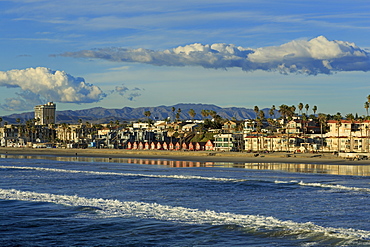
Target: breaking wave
(301, 183)
(122, 174)
(261, 225)
(321, 185)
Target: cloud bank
(41, 84)
(312, 57)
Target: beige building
(45, 114)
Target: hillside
(104, 115)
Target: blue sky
(116, 53)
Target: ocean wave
(321, 185)
(122, 174)
(334, 186)
(257, 224)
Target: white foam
(115, 208)
(121, 174)
(331, 186)
(285, 182)
(334, 186)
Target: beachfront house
(228, 142)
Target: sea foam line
(331, 186)
(334, 186)
(116, 208)
(121, 174)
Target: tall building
(45, 114)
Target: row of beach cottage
(292, 136)
(191, 146)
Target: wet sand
(202, 156)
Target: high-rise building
(45, 114)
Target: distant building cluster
(252, 135)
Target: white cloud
(315, 56)
(129, 94)
(42, 84)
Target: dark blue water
(45, 202)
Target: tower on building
(45, 114)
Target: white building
(45, 114)
(228, 142)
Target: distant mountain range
(104, 115)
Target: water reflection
(353, 170)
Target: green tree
(256, 110)
(307, 107)
(192, 113)
(148, 114)
(350, 118)
(261, 115)
(213, 114)
(322, 118)
(367, 106)
(272, 111)
(314, 109)
(300, 107)
(292, 110)
(178, 114)
(283, 110)
(173, 112)
(338, 119)
(204, 113)
(65, 128)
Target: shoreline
(202, 156)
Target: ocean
(82, 201)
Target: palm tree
(304, 125)
(192, 113)
(314, 109)
(204, 113)
(261, 115)
(64, 127)
(271, 122)
(148, 114)
(178, 113)
(173, 112)
(292, 109)
(213, 114)
(367, 106)
(306, 107)
(256, 110)
(322, 120)
(367, 137)
(338, 118)
(272, 111)
(283, 110)
(351, 118)
(300, 107)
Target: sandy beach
(203, 156)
